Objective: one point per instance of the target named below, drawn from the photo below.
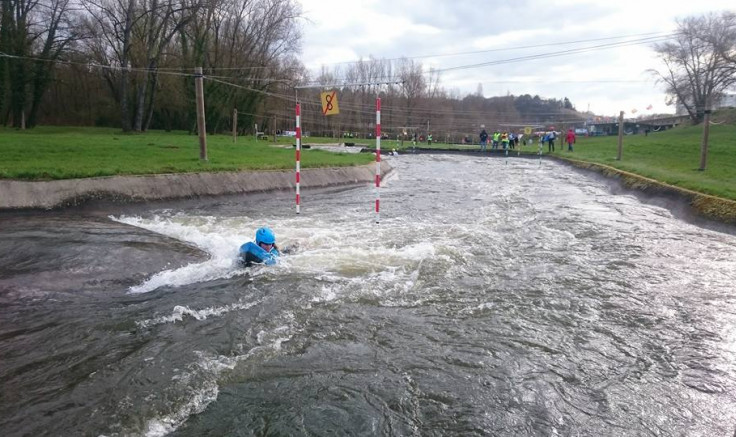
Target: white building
(726, 101)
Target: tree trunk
(2, 89)
(140, 103)
(154, 81)
(124, 73)
(40, 83)
(124, 119)
(5, 47)
(17, 90)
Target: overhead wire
(475, 52)
(181, 73)
(551, 54)
(362, 110)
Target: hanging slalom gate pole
(378, 136)
(378, 158)
(540, 154)
(298, 151)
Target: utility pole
(704, 144)
(620, 136)
(201, 125)
(235, 125)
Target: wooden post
(235, 125)
(620, 136)
(23, 119)
(704, 144)
(201, 125)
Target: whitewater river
(493, 298)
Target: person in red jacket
(570, 139)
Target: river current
(495, 297)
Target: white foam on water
(209, 368)
(220, 238)
(344, 251)
(335, 260)
(179, 312)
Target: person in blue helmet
(262, 251)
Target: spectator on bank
(551, 141)
(496, 139)
(483, 140)
(570, 139)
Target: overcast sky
(604, 80)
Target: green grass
(72, 152)
(671, 156)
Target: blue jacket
(250, 253)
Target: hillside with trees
(130, 64)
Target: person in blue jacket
(262, 251)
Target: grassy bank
(671, 156)
(73, 152)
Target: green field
(671, 156)
(71, 152)
(44, 153)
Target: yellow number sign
(329, 103)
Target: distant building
(726, 101)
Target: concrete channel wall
(704, 205)
(52, 194)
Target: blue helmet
(265, 235)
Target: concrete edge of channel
(16, 195)
(704, 205)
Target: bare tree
(696, 71)
(245, 43)
(161, 21)
(413, 86)
(5, 26)
(61, 29)
(111, 22)
(34, 35)
(725, 42)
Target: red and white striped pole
(378, 158)
(298, 152)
